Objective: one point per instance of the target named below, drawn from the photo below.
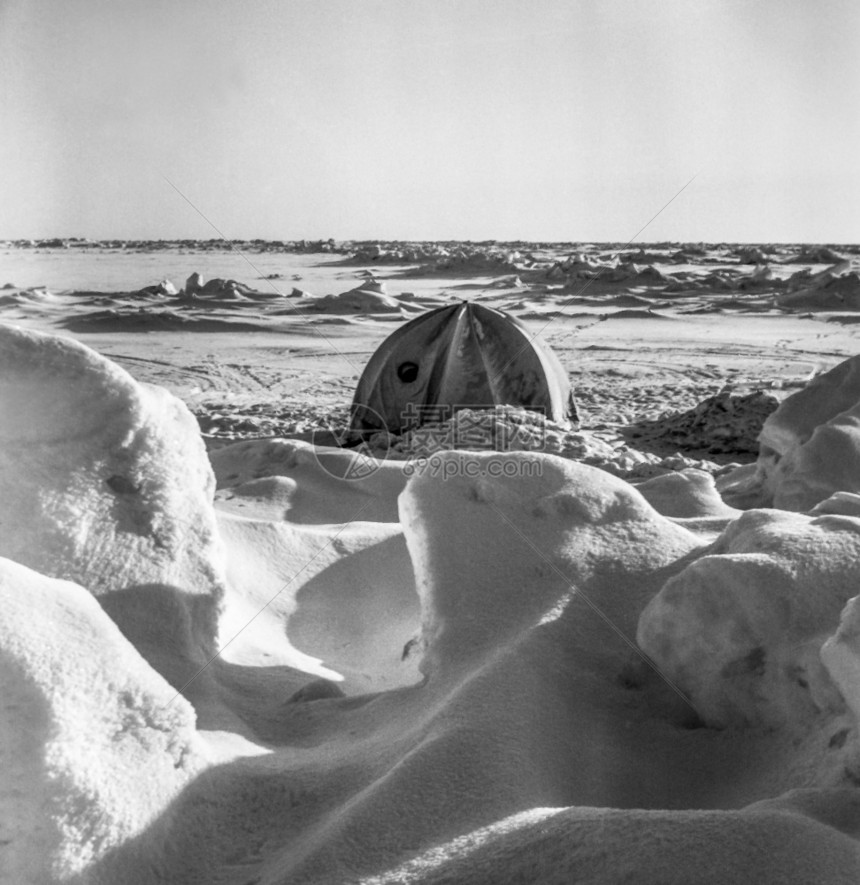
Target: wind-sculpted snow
(549, 546)
(828, 462)
(94, 743)
(826, 396)
(841, 656)
(793, 840)
(109, 475)
(687, 494)
(425, 678)
(809, 447)
(740, 629)
(836, 288)
(106, 482)
(320, 577)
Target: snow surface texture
(740, 629)
(432, 680)
(809, 447)
(841, 655)
(105, 482)
(344, 592)
(93, 742)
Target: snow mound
(502, 429)
(787, 841)
(823, 398)
(94, 743)
(513, 508)
(750, 255)
(724, 423)
(105, 481)
(834, 288)
(828, 462)
(369, 297)
(425, 680)
(840, 293)
(740, 630)
(687, 494)
(814, 255)
(809, 447)
(515, 429)
(27, 297)
(321, 484)
(517, 664)
(165, 287)
(841, 653)
(218, 288)
(319, 576)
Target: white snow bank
(828, 462)
(333, 602)
(536, 527)
(93, 742)
(809, 448)
(833, 289)
(532, 573)
(104, 481)
(369, 297)
(317, 567)
(485, 771)
(776, 842)
(519, 707)
(824, 397)
(841, 656)
(308, 484)
(687, 494)
(739, 630)
(195, 287)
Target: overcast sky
(431, 119)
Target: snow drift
(740, 629)
(431, 678)
(94, 743)
(809, 447)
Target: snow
(772, 842)
(809, 446)
(107, 745)
(841, 656)
(739, 630)
(109, 475)
(535, 536)
(283, 662)
(828, 462)
(687, 494)
(342, 593)
(369, 297)
(826, 396)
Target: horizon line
(337, 241)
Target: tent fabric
(464, 355)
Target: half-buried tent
(459, 356)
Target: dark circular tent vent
(407, 372)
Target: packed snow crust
(490, 667)
(105, 481)
(94, 742)
(809, 447)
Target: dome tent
(462, 355)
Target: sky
(541, 120)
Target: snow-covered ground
(632, 654)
